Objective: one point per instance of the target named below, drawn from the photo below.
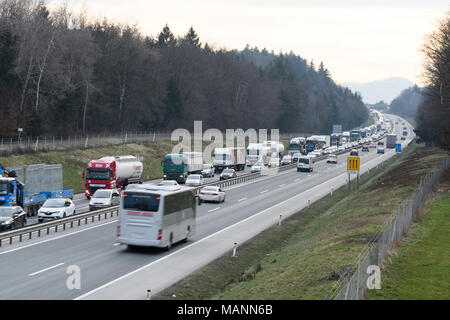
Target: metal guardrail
(68, 222)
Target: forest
(433, 114)
(63, 72)
(407, 103)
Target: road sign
(398, 147)
(337, 128)
(353, 164)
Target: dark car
(402, 138)
(354, 152)
(12, 217)
(380, 143)
(228, 174)
(365, 149)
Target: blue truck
(42, 178)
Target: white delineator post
(279, 221)
(234, 249)
(147, 296)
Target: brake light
(202, 193)
(159, 234)
(118, 231)
(215, 194)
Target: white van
(305, 163)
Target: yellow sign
(353, 163)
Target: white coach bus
(156, 216)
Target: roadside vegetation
(306, 255)
(75, 161)
(420, 264)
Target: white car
(194, 180)
(169, 183)
(286, 160)
(56, 208)
(341, 148)
(257, 167)
(211, 194)
(103, 198)
(274, 162)
(332, 158)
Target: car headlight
(8, 222)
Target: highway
(38, 271)
(82, 204)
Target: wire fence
(10, 146)
(354, 283)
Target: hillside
(381, 90)
(64, 74)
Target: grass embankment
(75, 161)
(302, 258)
(420, 265)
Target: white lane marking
(62, 236)
(242, 199)
(264, 191)
(46, 269)
(116, 244)
(215, 209)
(282, 184)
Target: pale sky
(358, 40)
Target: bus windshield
(141, 201)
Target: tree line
(407, 103)
(63, 73)
(434, 112)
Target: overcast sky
(358, 40)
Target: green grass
(303, 258)
(75, 161)
(421, 268)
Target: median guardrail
(58, 224)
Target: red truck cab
(100, 175)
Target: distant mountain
(375, 91)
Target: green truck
(179, 166)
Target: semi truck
(297, 145)
(336, 139)
(178, 166)
(355, 135)
(276, 148)
(256, 152)
(112, 172)
(42, 182)
(391, 140)
(232, 158)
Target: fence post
(348, 280)
(358, 276)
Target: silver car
(208, 170)
(103, 198)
